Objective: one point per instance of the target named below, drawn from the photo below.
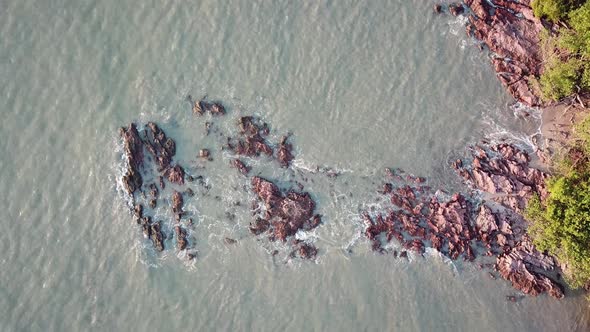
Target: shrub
(560, 78)
(561, 224)
(566, 54)
(553, 10)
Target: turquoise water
(361, 85)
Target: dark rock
(237, 163)
(177, 202)
(153, 203)
(456, 9)
(159, 146)
(157, 236)
(307, 251)
(251, 142)
(201, 107)
(181, 241)
(438, 8)
(133, 147)
(523, 266)
(228, 240)
(175, 174)
(286, 213)
(285, 154)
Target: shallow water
(360, 85)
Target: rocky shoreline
(483, 225)
(487, 229)
(466, 225)
(511, 34)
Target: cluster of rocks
(200, 107)
(512, 33)
(252, 142)
(468, 227)
(150, 156)
(503, 170)
(283, 214)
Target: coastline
(511, 34)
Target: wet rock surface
(149, 155)
(459, 226)
(467, 226)
(282, 214)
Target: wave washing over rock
(419, 217)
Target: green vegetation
(561, 224)
(566, 53)
(553, 10)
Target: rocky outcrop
(521, 266)
(503, 170)
(251, 140)
(202, 106)
(282, 214)
(285, 153)
(133, 149)
(181, 238)
(161, 148)
(511, 32)
(140, 164)
(465, 225)
(240, 166)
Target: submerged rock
(237, 163)
(251, 141)
(202, 106)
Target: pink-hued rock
(284, 214)
(503, 169)
(514, 41)
(520, 266)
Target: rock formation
(283, 213)
(511, 32)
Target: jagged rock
(177, 202)
(133, 147)
(504, 169)
(284, 214)
(175, 174)
(204, 153)
(456, 9)
(511, 32)
(157, 236)
(438, 8)
(201, 107)
(486, 220)
(228, 240)
(285, 155)
(251, 143)
(181, 241)
(159, 146)
(237, 163)
(522, 266)
(307, 251)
